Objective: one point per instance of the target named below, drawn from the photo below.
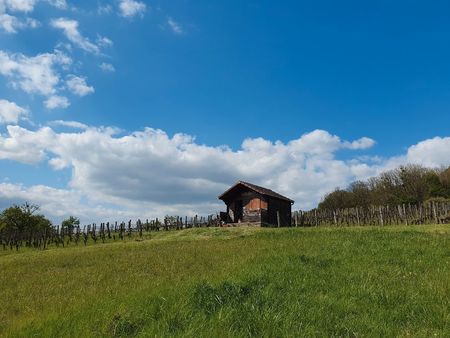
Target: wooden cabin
(254, 205)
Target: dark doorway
(239, 210)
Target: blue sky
(322, 74)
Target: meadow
(220, 282)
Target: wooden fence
(407, 214)
(62, 236)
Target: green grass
(342, 282)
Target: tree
(435, 187)
(70, 223)
(21, 221)
(407, 184)
(444, 179)
(415, 181)
(360, 194)
(338, 199)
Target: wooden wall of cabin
(254, 207)
(284, 208)
(236, 216)
(230, 211)
(254, 204)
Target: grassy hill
(392, 281)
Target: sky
(111, 110)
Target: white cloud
(11, 24)
(25, 146)
(61, 4)
(35, 74)
(104, 9)
(174, 26)
(362, 143)
(70, 124)
(107, 67)
(41, 74)
(56, 101)
(59, 203)
(70, 30)
(131, 8)
(78, 85)
(10, 112)
(149, 173)
(432, 152)
(149, 166)
(27, 6)
(17, 5)
(103, 41)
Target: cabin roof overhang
(261, 190)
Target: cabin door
(239, 211)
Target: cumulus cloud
(56, 101)
(59, 203)
(432, 152)
(41, 74)
(10, 112)
(149, 166)
(34, 75)
(131, 8)
(78, 85)
(362, 143)
(70, 30)
(150, 173)
(25, 146)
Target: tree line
(409, 184)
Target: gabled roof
(257, 188)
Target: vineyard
(429, 213)
(405, 214)
(64, 236)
